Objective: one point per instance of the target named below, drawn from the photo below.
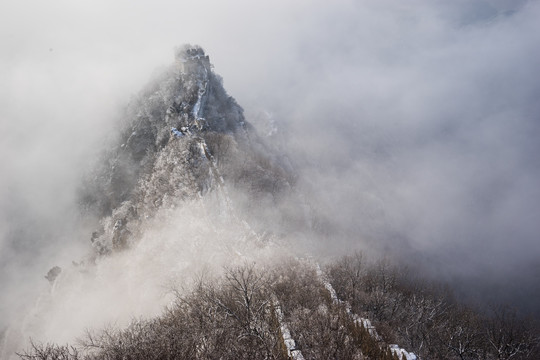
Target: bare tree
(348, 275)
(510, 337)
(50, 352)
(459, 334)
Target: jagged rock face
(181, 188)
(182, 137)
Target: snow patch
(176, 133)
(289, 342)
(366, 323)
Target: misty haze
(195, 180)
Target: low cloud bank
(416, 126)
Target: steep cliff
(182, 138)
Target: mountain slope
(178, 191)
(192, 212)
(183, 138)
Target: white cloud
(425, 111)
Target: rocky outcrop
(53, 273)
(182, 137)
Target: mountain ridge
(183, 137)
(190, 198)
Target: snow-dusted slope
(184, 138)
(366, 323)
(164, 203)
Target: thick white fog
(417, 123)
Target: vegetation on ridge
(234, 317)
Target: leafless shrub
(233, 317)
(50, 352)
(511, 337)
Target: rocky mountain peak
(183, 136)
